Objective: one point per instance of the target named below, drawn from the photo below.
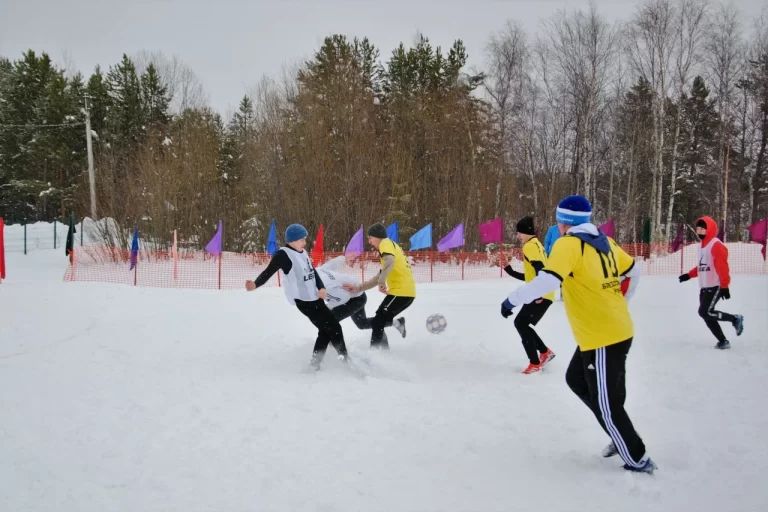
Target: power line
(40, 125)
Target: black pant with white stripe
(708, 298)
(598, 378)
(328, 327)
(390, 307)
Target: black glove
(725, 294)
(684, 277)
(506, 308)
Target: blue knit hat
(295, 232)
(574, 210)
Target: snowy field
(114, 398)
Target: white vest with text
(708, 277)
(299, 283)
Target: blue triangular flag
(422, 239)
(392, 232)
(135, 248)
(272, 240)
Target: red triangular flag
(609, 228)
(2, 250)
(317, 249)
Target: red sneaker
(546, 357)
(532, 368)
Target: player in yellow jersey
(534, 260)
(395, 280)
(596, 275)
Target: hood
(711, 229)
(590, 235)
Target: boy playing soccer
(305, 290)
(534, 260)
(714, 279)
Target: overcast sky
(231, 44)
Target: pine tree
(699, 170)
(155, 98)
(100, 104)
(38, 149)
(126, 120)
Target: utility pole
(91, 177)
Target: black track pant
(529, 315)
(390, 307)
(355, 309)
(598, 378)
(328, 328)
(708, 297)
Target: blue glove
(506, 308)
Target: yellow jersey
(400, 281)
(534, 251)
(596, 309)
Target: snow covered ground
(115, 398)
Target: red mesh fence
(197, 269)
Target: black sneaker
(722, 345)
(738, 324)
(399, 324)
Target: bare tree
(753, 117)
(581, 48)
(650, 41)
(690, 29)
(184, 87)
(507, 54)
(724, 48)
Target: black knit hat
(525, 226)
(701, 224)
(377, 231)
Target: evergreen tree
(126, 120)
(38, 147)
(100, 103)
(155, 98)
(699, 172)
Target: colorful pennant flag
(453, 239)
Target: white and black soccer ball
(436, 323)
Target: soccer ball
(436, 323)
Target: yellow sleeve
(531, 252)
(564, 256)
(623, 260)
(387, 246)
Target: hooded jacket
(719, 254)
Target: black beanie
(525, 226)
(377, 231)
(701, 224)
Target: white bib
(708, 277)
(299, 283)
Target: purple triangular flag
(214, 246)
(453, 239)
(355, 245)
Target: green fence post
(54, 233)
(25, 237)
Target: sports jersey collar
(589, 234)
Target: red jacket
(719, 254)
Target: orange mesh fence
(199, 270)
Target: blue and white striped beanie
(574, 210)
